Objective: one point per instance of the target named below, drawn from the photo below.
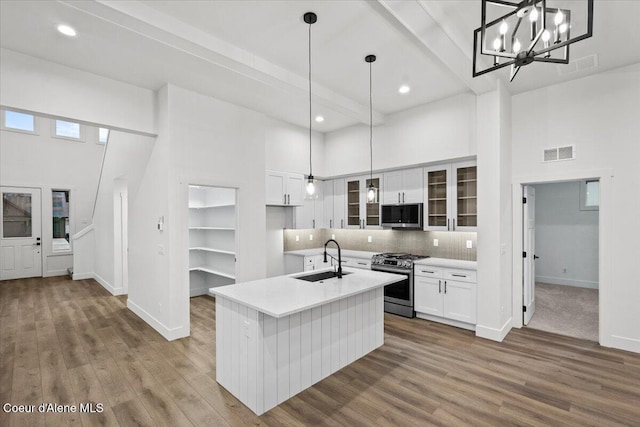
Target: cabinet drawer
(428, 271)
(357, 263)
(460, 275)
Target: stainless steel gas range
(398, 297)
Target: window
(16, 215)
(590, 195)
(66, 129)
(103, 135)
(23, 122)
(60, 213)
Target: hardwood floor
(68, 342)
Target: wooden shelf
(219, 251)
(438, 183)
(213, 228)
(214, 272)
(460, 181)
(467, 197)
(469, 214)
(437, 214)
(438, 199)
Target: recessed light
(67, 30)
(404, 89)
(319, 119)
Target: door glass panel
(373, 209)
(437, 183)
(467, 197)
(353, 202)
(16, 215)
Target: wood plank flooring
(69, 342)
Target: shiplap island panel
(264, 359)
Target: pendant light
(372, 191)
(312, 184)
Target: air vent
(557, 154)
(577, 65)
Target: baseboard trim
(82, 276)
(56, 273)
(449, 322)
(107, 285)
(169, 334)
(567, 282)
(623, 343)
(493, 333)
(199, 291)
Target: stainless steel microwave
(408, 215)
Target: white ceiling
(254, 53)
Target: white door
(460, 301)
(529, 239)
(296, 188)
(275, 188)
(413, 186)
(392, 193)
(20, 233)
(339, 203)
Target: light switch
(435, 242)
(469, 244)
(160, 249)
(333, 236)
(310, 236)
(369, 239)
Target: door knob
(535, 257)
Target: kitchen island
(278, 336)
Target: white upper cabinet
(339, 203)
(361, 214)
(284, 189)
(327, 214)
(310, 214)
(451, 197)
(404, 186)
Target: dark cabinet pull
(445, 286)
(447, 224)
(458, 275)
(427, 271)
(439, 286)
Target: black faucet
(339, 256)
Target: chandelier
(529, 31)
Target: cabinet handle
(454, 224)
(342, 223)
(398, 197)
(427, 271)
(447, 224)
(445, 286)
(362, 263)
(330, 223)
(314, 223)
(439, 286)
(403, 197)
(458, 275)
(285, 198)
(288, 199)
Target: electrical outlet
(564, 270)
(333, 236)
(469, 244)
(297, 238)
(310, 236)
(369, 239)
(160, 250)
(435, 242)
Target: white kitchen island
(278, 336)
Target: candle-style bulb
(546, 36)
(516, 46)
(497, 43)
(533, 16)
(558, 18)
(563, 28)
(503, 27)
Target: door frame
(605, 250)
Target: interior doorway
(561, 258)
(20, 233)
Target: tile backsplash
(451, 244)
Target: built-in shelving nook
(212, 238)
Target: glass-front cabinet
(361, 214)
(451, 197)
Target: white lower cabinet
(445, 295)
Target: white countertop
(284, 295)
(451, 263)
(333, 251)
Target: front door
(529, 267)
(20, 228)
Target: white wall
(566, 237)
(125, 161)
(599, 114)
(438, 131)
(287, 148)
(34, 84)
(45, 162)
(201, 141)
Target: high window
(14, 120)
(65, 129)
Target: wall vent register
(557, 154)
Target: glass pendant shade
(372, 194)
(311, 188)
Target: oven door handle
(392, 270)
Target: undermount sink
(316, 277)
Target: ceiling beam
(415, 19)
(137, 17)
